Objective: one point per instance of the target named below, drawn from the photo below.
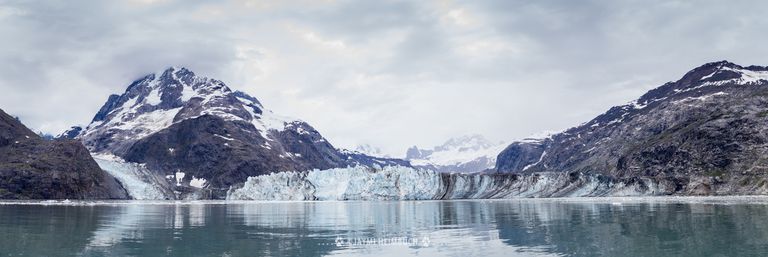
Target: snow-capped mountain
(472, 153)
(370, 150)
(157, 101)
(702, 134)
(175, 122)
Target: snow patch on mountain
(748, 76)
(540, 136)
(145, 124)
(744, 76)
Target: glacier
(404, 183)
(387, 183)
(140, 182)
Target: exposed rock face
(467, 154)
(33, 168)
(522, 155)
(177, 122)
(706, 133)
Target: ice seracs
(403, 183)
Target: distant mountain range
(370, 150)
(467, 154)
(176, 135)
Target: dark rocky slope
(34, 168)
(226, 153)
(706, 133)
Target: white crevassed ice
(140, 183)
(403, 183)
(357, 183)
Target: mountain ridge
(703, 133)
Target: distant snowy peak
(158, 100)
(465, 143)
(371, 151)
(472, 153)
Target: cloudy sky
(387, 73)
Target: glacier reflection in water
(532, 227)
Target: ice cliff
(402, 183)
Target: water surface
(729, 226)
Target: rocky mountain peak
(178, 74)
(703, 81)
(164, 90)
(722, 71)
(161, 99)
(709, 75)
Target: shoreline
(725, 199)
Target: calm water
(566, 227)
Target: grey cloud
(387, 73)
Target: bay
(652, 226)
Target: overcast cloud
(386, 73)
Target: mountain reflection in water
(530, 227)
